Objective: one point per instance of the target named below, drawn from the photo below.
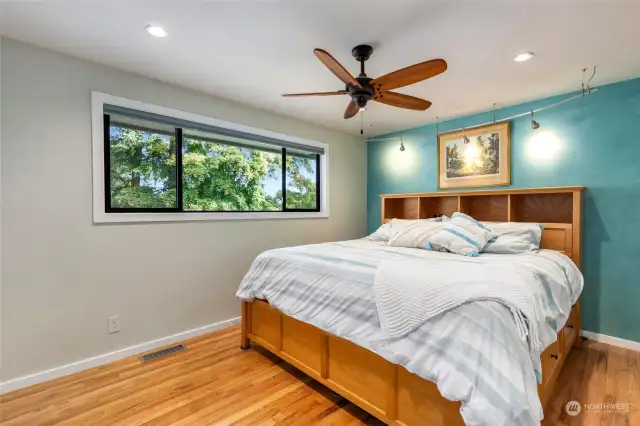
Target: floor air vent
(162, 352)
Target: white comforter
(409, 292)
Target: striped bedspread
(473, 353)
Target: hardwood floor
(215, 382)
(597, 375)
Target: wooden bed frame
(386, 390)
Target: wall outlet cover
(114, 324)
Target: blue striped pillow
(462, 235)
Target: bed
(331, 331)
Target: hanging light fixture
(464, 137)
(401, 144)
(534, 124)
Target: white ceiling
(252, 52)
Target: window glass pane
(301, 180)
(143, 168)
(221, 177)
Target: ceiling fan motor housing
(361, 95)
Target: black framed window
(159, 164)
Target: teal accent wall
(598, 145)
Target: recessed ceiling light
(157, 31)
(525, 56)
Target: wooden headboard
(558, 209)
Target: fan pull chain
(362, 122)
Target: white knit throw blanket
(410, 292)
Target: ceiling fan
(363, 89)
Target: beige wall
(63, 276)
(1, 269)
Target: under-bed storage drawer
(551, 364)
(570, 329)
(550, 361)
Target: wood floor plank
(216, 383)
(568, 388)
(633, 361)
(595, 382)
(617, 387)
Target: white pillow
(385, 231)
(380, 234)
(415, 234)
(461, 235)
(513, 237)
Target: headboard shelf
(405, 208)
(559, 209)
(437, 206)
(486, 207)
(546, 190)
(542, 207)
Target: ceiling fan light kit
(363, 89)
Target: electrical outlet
(114, 324)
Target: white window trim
(97, 136)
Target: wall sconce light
(534, 124)
(401, 144)
(543, 146)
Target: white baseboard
(610, 340)
(74, 367)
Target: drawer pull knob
(554, 356)
(569, 326)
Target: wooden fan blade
(340, 92)
(402, 101)
(410, 75)
(335, 67)
(352, 109)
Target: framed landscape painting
(475, 157)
